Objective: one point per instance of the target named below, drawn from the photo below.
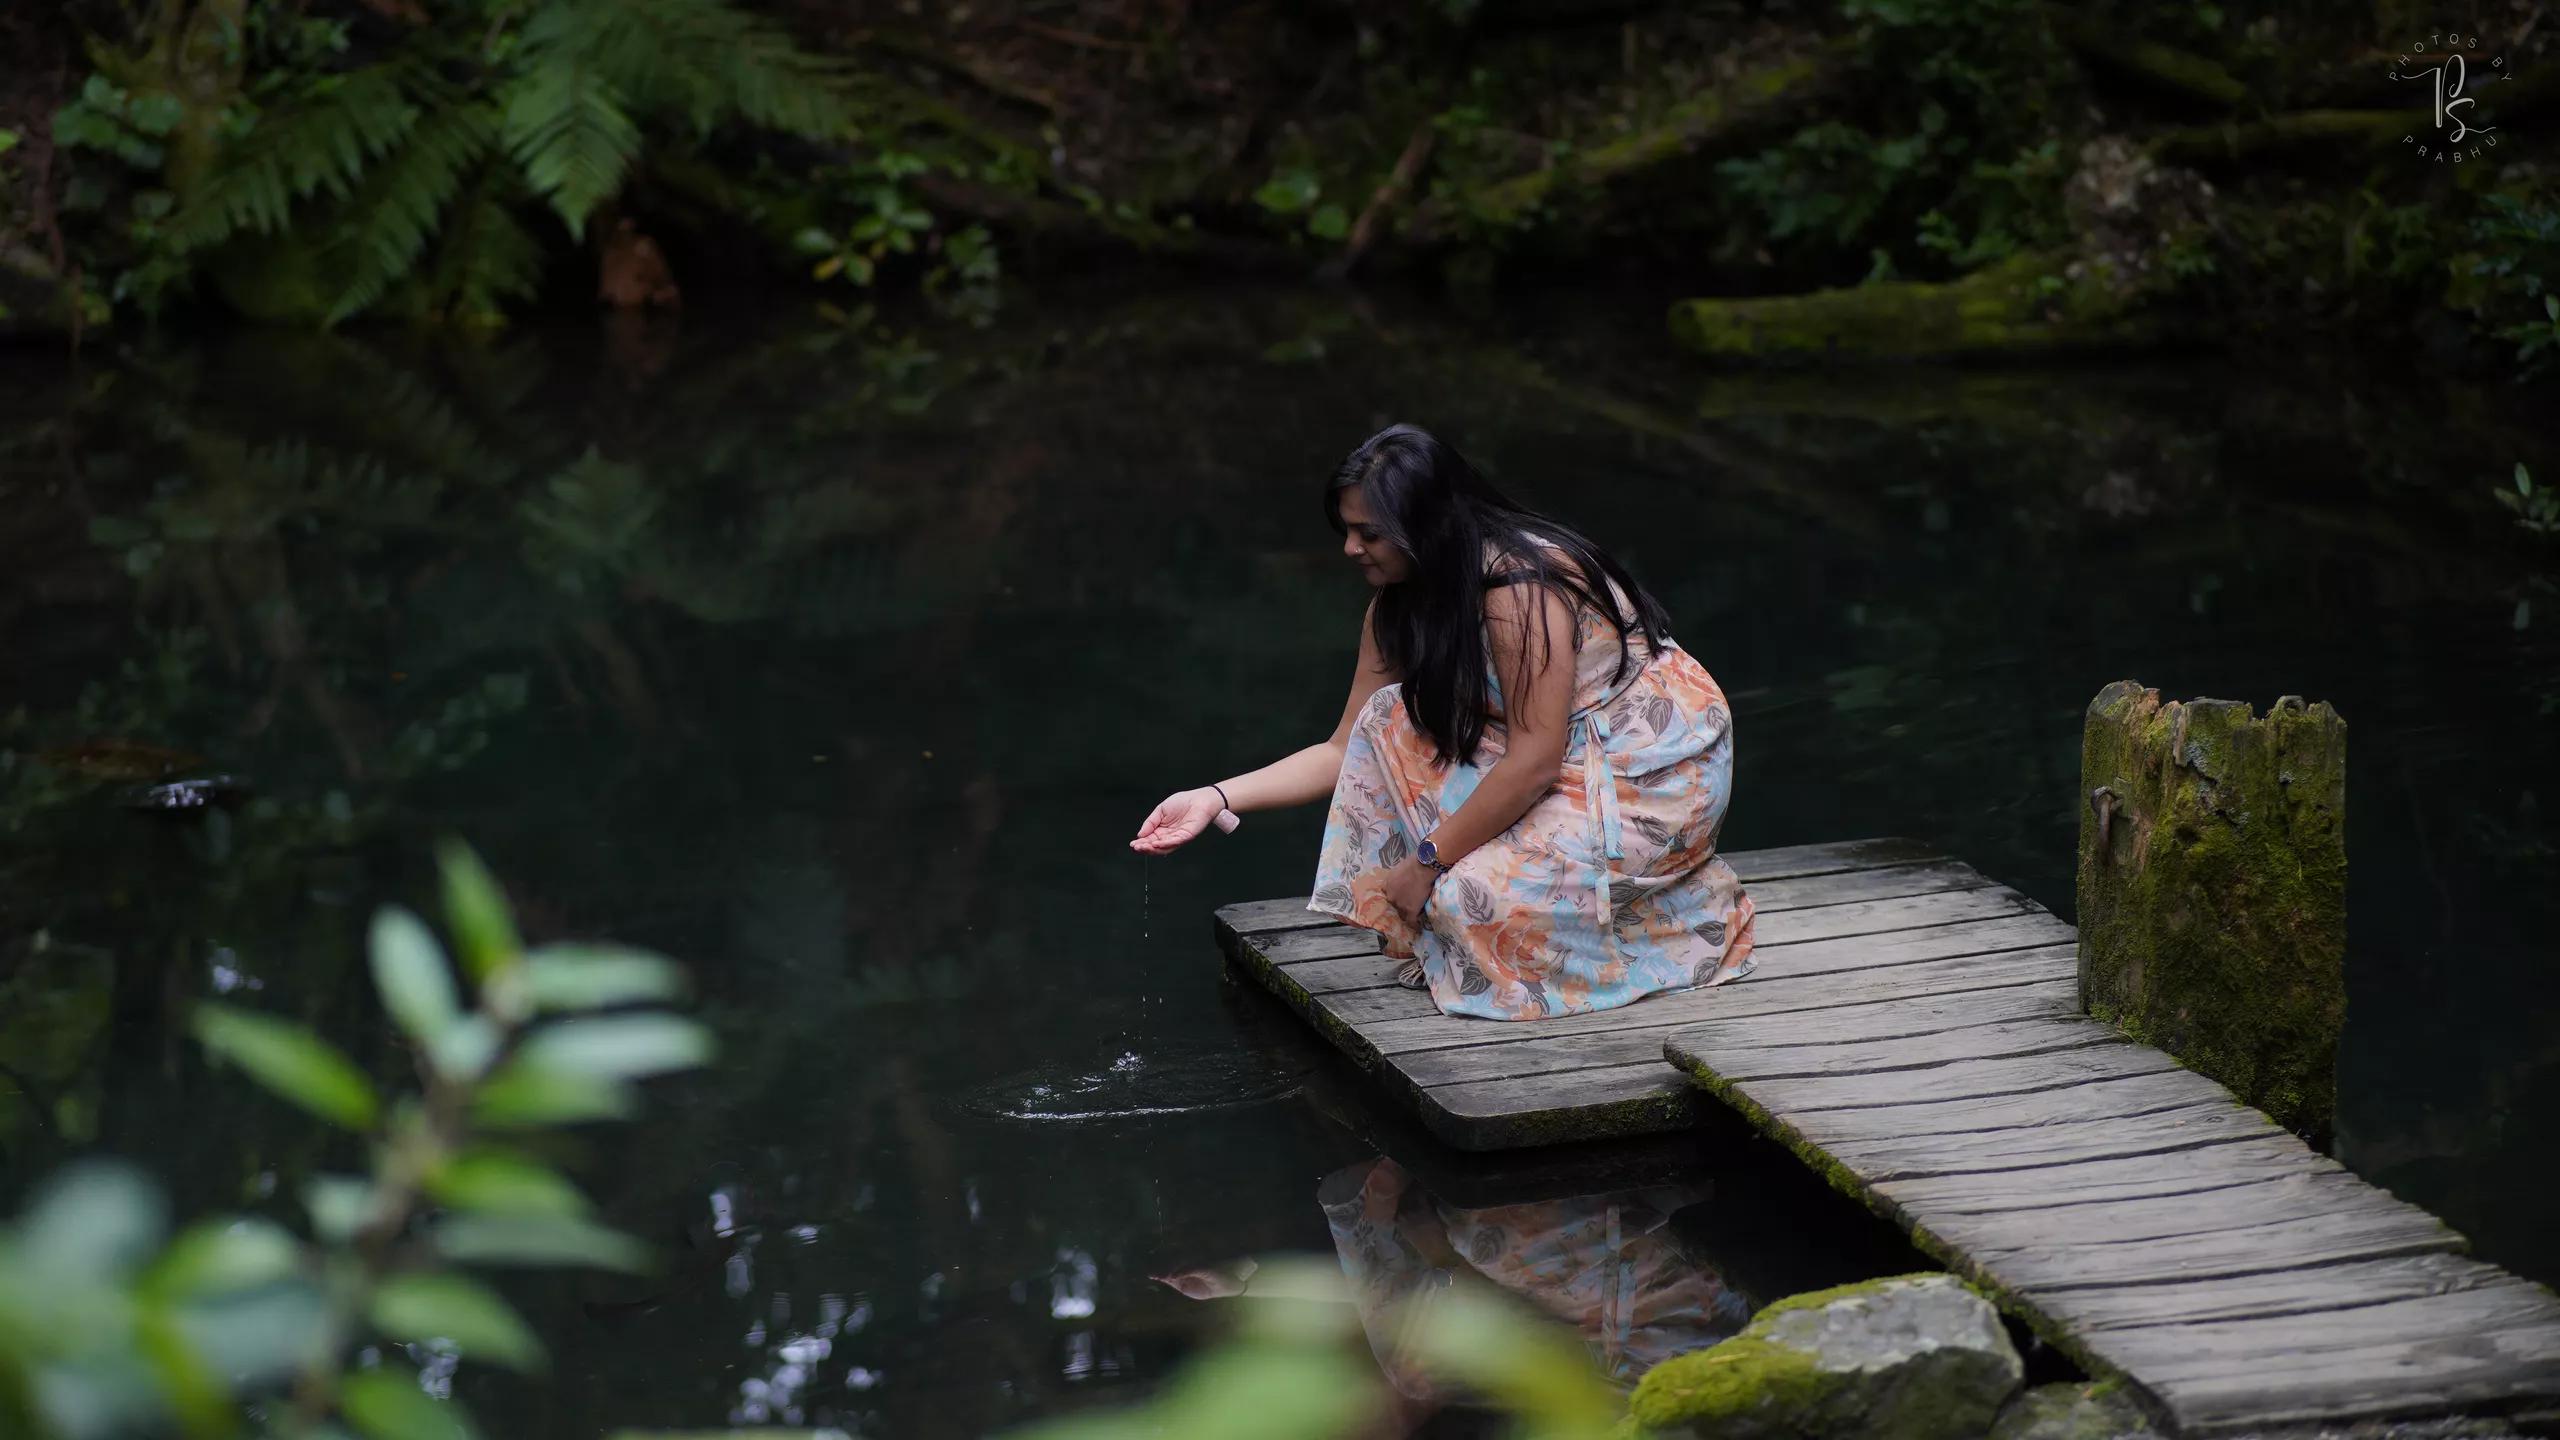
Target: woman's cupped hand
(1176, 821)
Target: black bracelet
(1222, 795)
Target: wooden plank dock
(1914, 1033)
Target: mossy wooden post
(2213, 871)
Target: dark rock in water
(182, 796)
(1134, 1086)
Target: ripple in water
(1132, 1085)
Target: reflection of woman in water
(1529, 775)
(1608, 1265)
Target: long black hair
(1430, 503)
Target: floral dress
(1606, 890)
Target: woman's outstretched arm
(1294, 779)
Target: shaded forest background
(1978, 175)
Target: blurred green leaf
(459, 1309)
(215, 1256)
(525, 1094)
(538, 1240)
(410, 970)
(258, 1337)
(1531, 1367)
(291, 1061)
(464, 1049)
(338, 1204)
(1289, 191)
(387, 1404)
(90, 1221)
(619, 1047)
(1241, 1391)
(495, 1182)
(587, 977)
(190, 1387)
(477, 910)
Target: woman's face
(1380, 562)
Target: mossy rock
(1912, 1357)
(2212, 890)
(2072, 1412)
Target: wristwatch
(1429, 855)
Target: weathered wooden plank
(1760, 995)
(1947, 1126)
(1844, 887)
(1331, 942)
(2103, 1058)
(1785, 862)
(1921, 1019)
(2251, 1250)
(1785, 961)
(2173, 1218)
(2063, 1188)
(1575, 1104)
(2405, 1357)
(1538, 1054)
(2312, 1291)
(1350, 972)
(2035, 1147)
(2417, 1375)
(1261, 917)
(2040, 1034)
(2230, 1347)
(1879, 917)
(1365, 1010)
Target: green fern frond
(711, 60)
(404, 199)
(568, 130)
(326, 141)
(484, 258)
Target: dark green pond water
(841, 663)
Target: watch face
(1429, 854)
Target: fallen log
(1726, 118)
(2159, 66)
(2026, 305)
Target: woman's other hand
(1408, 887)
(1176, 821)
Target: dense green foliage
(338, 176)
(314, 162)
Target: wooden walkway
(1913, 1032)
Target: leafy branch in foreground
(105, 1330)
(1295, 1368)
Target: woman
(1542, 855)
